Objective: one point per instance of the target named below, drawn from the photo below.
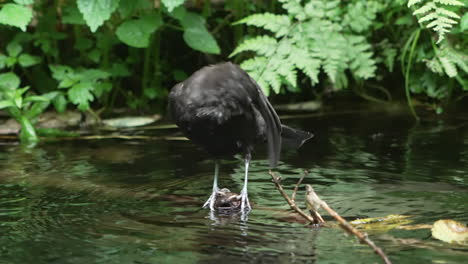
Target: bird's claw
(211, 201)
(245, 204)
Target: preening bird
(221, 108)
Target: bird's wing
(273, 130)
(268, 113)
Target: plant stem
(407, 73)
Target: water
(113, 201)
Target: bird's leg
(245, 205)
(211, 201)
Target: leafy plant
(436, 15)
(320, 35)
(23, 107)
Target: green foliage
(195, 33)
(94, 55)
(21, 105)
(171, 4)
(137, 32)
(310, 38)
(436, 15)
(15, 15)
(96, 12)
(82, 85)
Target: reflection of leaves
(450, 231)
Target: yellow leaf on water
(450, 231)
(381, 224)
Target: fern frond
(294, 9)
(262, 45)
(448, 13)
(424, 9)
(278, 24)
(435, 66)
(306, 62)
(449, 67)
(439, 19)
(450, 2)
(413, 2)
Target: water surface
(113, 201)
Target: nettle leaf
(80, 94)
(15, 15)
(171, 4)
(9, 80)
(198, 38)
(196, 35)
(27, 60)
(93, 75)
(137, 32)
(95, 12)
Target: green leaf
(27, 60)
(137, 32)
(60, 103)
(60, 72)
(2, 61)
(464, 22)
(5, 104)
(93, 75)
(28, 133)
(10, 61)
(171, 4)
(36, 98)
(150, 92)
(14, 49)
(15, 15)
(9, 80)
(101, 88)
(198, 38)
(95, 12)
(80, 94)
(24, 2)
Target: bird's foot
(245, 204)
(211, 201)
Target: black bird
(221, 108)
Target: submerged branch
(315, 202)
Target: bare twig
(292, 203)
(316, 202)
(293, 196)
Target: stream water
(135, 201)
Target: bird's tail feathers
(293, 138)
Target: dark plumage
(221, 108)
